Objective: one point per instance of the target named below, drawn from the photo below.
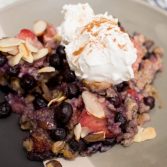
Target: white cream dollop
(74, 16)
(99, 51)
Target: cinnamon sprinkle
(96, 23)
(79, 51)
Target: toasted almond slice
(39, 27)
(8, 49)
(41, 53)
(26, 54)
(15, 59)
(56, 100)
(144, 134)
(93, 106)
(31, 47)
(23, 50)
(46, 69)
(9, 42)
(14, 51)
(28, 58)
(58, 146)
(85, 131)
(77, 131)
(94, 137)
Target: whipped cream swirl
(99, 51)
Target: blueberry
(74, 145)
(149, 101)
(72, 91)
(109, 142)
(58, 134)
(54, 81)
(63, 113)
(37, 156)
(61, 51)
(56, 61)
(120, 118)
(13, 71)
(5, 110)
(122, 86)
(69, 76)
(82, 145)
(148, 55)
(3, 60)
(27, 82)
(39, 102)
(6, 89)
(115, 101)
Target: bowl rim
(141, 2)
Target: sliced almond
(77, 131)
(94, 137)
(58, 146)
(41, 53)
(46, 70)
(8, 49)
(56, 100)
(15, 59)
(144, 134)
(31, 47)
(9, 42)
(85, 131)
(15, 51)
(92, 105)
(26, 54)
(39, 27)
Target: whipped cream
(98, 50)
(74, 16)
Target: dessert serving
(81, 87)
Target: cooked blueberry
(13, 71)
(69, 76)
(149, 101)
(120, 118)
(58, 134)
(109, 142)
(74, 145)
(63, 113)
(3, 60)
(5, 110)
(122, 86)
(148, 55)
(39, 102)
(82, 145)
(72, 91)
(115, 101)
(6, 89)
(54, 81)
(27, 82)
(37, 156)
(56, 61)
(61, 51)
